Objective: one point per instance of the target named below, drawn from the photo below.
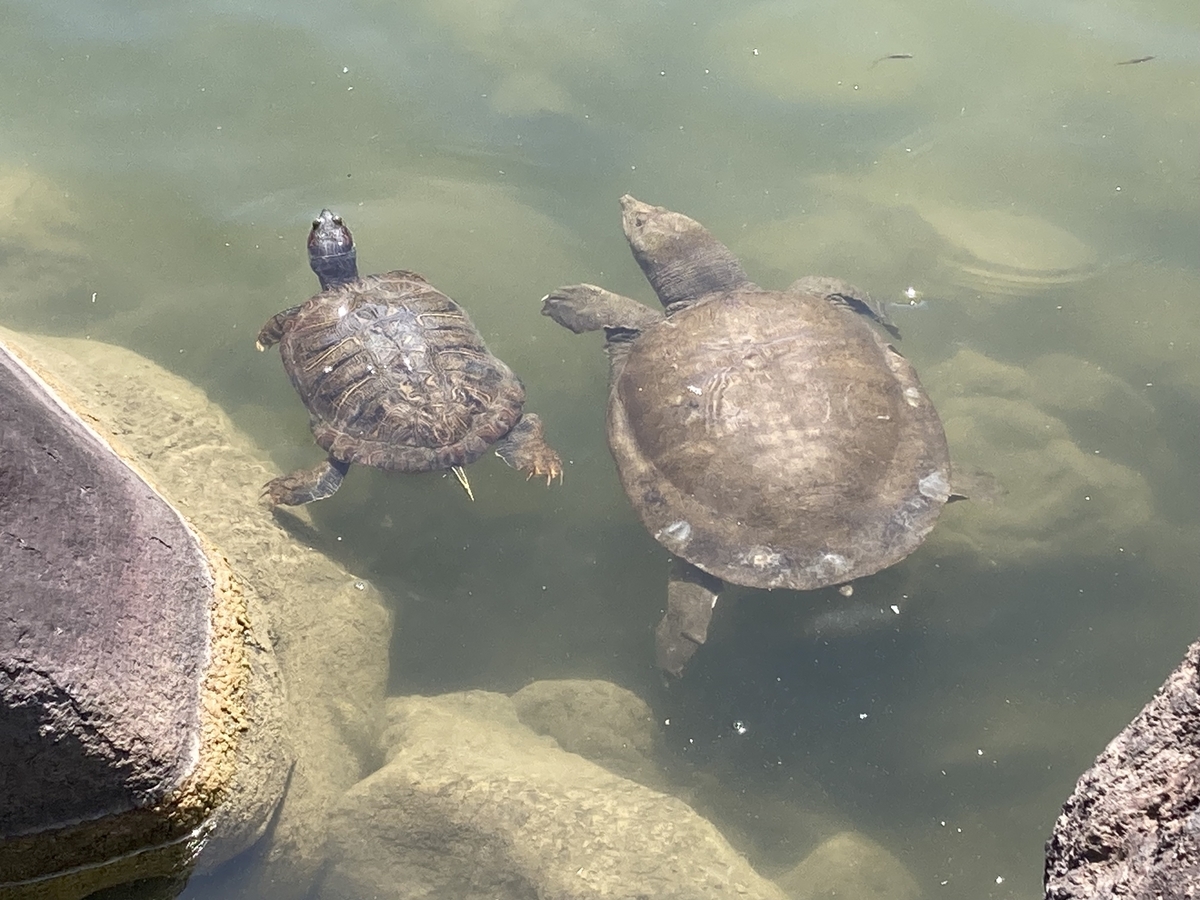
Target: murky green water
(159, 166)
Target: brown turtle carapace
(773, 439)
(395, 376)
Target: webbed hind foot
(691, 596)
(305, 485)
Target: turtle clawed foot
(546, 462)
(525, 449)
(550, 466)
(282, 491)
(575, 306)
(585, 307)
(305, 485)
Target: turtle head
(331, 251)
(681, 259)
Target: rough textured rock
(850, 865)
(610, 725)
(472, 804)
(330, 631)
(138, 694)
(1131, 827)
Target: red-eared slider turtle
(395, 376)
(772, 439)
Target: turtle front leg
(525, 448)
(306, 485)
(691, 596)
(269, 334)
(585, 307)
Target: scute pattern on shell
(396, 376)
(773, 440)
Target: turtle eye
(316, 223)
(337, 220)
(640, 221)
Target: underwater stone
(474, 805)
(599, 720)
(850, 865)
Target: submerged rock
(1001, 252)
(472, 805)
(850, 865)
(1130, 827)
(330, 630)
(601, 721)
(1060, 496)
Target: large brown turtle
(772, 439)
(395, 376)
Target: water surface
(159, 166)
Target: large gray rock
(473, 805)
(1131, 828)
(330, 630)
(139, 697)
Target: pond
(1016, 180)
